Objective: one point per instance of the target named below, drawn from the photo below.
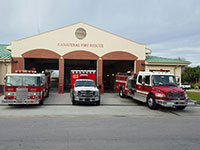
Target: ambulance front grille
(87, 93)
(21, 93)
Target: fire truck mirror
(178, 80)
(4, 79)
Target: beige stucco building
(5, 64)
(82, 46)
(173, 66)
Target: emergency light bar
(161, 70)
(83, 71)
(25, 71)
(157, 72)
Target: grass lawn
(194, 96)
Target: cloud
(171, 26)
(185, 47)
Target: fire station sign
(80, 45)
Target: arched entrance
(114, 62)
(43, 60)
(78, 60)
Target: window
(163, 80)
(22, 81)
(84, 83)
(31, 81)
(14, 81)
(147, 80)
(140, 79)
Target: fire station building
(84, 47)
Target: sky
(170, 28)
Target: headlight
(160, 95)
(97, 93)
(10, 94)
(34, 93)
(77, 93)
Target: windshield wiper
(9, 84)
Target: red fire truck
(26, 87)
(84, 89)
(153, 88)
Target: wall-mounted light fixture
(14, 61)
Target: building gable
(79, 36)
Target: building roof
(4, 53)
(156, 59)
(79, 23)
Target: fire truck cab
(26, 87)
(153, 88)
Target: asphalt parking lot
(118, 123)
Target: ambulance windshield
(85, 83)
(164, 80)
(22, 81)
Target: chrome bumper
(87, 99)
(172, 103)
(15, 102)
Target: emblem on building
(80, 33)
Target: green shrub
(197, 85)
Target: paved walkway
(106, 99)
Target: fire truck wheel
(121, 93)
(151, 102)
(180, 107)
(41, 102)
